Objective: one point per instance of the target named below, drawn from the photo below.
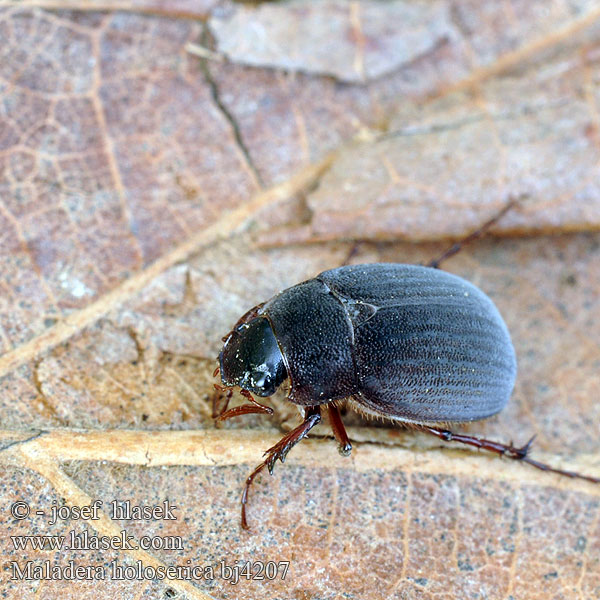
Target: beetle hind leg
(279, 451)
(458, 246)
(507, 450)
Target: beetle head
(252, 359)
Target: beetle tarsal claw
(272, 460)
(273, 454)
(521, 453)
(271, 464)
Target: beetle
(410, 343)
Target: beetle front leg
(279, 451)
(228, 393)
(245, 409)
(507, 450)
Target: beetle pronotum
(410, 343)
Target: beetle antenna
(507, 450)
(458, 246)
(280, 451)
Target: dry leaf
(149, 197)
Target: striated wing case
(428, 346)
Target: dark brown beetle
(410, 343)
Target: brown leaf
(149, 197)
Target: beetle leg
(455, 248)
(229, 392)
(245, 409)
(507, 450)
(353, 252)
(279, 451)
(339, 431)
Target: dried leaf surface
(352, 43)
(149, 197)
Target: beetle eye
(255, 379)
(260, 379)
